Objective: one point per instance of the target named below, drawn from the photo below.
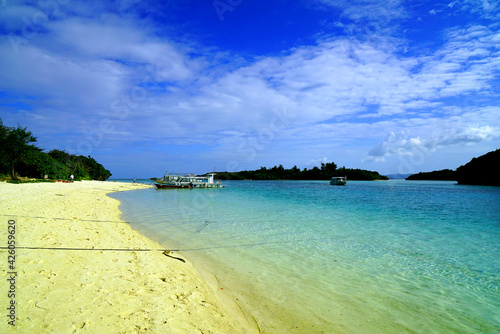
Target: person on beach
(71, 177)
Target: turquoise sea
(368, 257)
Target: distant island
(324, 172)
(479, 171)
(19, 157)
(438, 175)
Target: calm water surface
(369, 257)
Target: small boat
(338, 181)
(182, 180)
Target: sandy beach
(78, 268)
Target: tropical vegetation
(20, 157)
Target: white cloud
(119, 39)
(333, 80)
(468, 135)
(55, 80)
(401, 144)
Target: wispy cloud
(369, 10)
(401, 143)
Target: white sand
(82, 291)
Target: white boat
(338, 181)
(182, 180)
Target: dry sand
(97, 291)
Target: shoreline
(106, 284)
(270, 310)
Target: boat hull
(187, 181)
(171, 186)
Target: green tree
(15, 146)
(38, 164)
(3, 160)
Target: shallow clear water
(369, 257)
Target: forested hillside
(481, 171)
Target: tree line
(324, 172)
(19, 156)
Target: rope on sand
(165, 252)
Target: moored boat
(338, 181)
(181, 180)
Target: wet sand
(97, 280)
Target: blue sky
(189, 86)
